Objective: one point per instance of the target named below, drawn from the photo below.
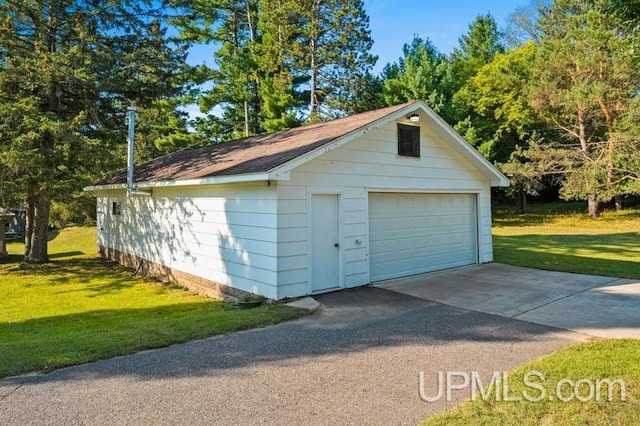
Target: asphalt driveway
(594, 305)
(356, 361)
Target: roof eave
(495, 176)
(209, 180)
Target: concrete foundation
(165, 274)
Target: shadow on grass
(541, 214)
(11, 259)
(51, 235)
(66, 254)
(535, 251)
(351, 321)
(99, 276)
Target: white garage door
(415, 233)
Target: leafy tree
(585, 82)
(477, 49)
(522, 24)
(497, 95)
(68, 68)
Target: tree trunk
(313, 70)
(37, 235)
(3, 242)
(246, 118)
(594, 208)
(28, 226)
(313, 104)
(522, 200)
(618, 202)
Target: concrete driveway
(594, 305)
(356, 361)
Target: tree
(421, 73)
(584, 83)
(68, 68)
(522, 24)
(369, 94)
(337, 54)
(497, 97)
(477, 48)
(234, 82)
(277, 56)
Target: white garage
(332, 205)
(414, 233)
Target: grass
(560, 237)
(609, 359)
(79, 308)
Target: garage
(411, 233)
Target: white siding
(256, 237)
(369, 164)
(223, 233)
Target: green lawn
(609, 359)
(561, 237)
(79, 308)
(557, 237)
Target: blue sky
(394, 22)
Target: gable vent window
(116, 208)
(408, 140)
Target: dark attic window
(408, 140)
(116, 208)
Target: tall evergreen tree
(68, 68)
(232, 99)
(277, 56)
(421, 73)
(477, 48)
(337, 54)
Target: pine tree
(421, 73)
(68, 69)
(277, 56)
(337, 55)
(233, 100)
(477, 48)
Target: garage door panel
(414, 233)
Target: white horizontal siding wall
(223, 233)
(369, 164)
